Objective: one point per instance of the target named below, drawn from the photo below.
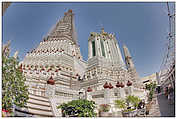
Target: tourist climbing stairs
(37, 106)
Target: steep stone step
(38, 97)
(29, 112)
(40, 107)
(40, 112)
(37, 106)
(38, 102)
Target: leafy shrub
(78, 108)
(134, 100)
(14, 90)
(124, 104)
(120, 104)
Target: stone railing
(54, 105)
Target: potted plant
(128, 106)
(121, 104)
(133, 100)
(103, 110)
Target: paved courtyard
(161, 107)
(166, 109)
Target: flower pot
(104, 114)
(129, 113)
(125, 114)
(118, 114)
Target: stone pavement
(154, 110)
(166, 109)
(161, 107)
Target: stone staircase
(37, 106)
(154, 110)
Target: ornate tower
(128, 58)
(57, 56)
(105, 45)
(104, 58)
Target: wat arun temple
(56, 72)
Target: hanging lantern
(89, 89)
(110, 86)
(106, 85)
(122, 85)
(118, 84)
(51, 81)
(129, 83)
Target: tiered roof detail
(65, 28)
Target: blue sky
(143, 27)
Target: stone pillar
(130, 90)
(106, 96)
(56, 112)
(50, 91)
(89, 96)
(122, 92)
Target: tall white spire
(105, 45)
(131, 68)
(128, 58)
(64, 28)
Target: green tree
(14, 90)
(151, 87)
(78, 108)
